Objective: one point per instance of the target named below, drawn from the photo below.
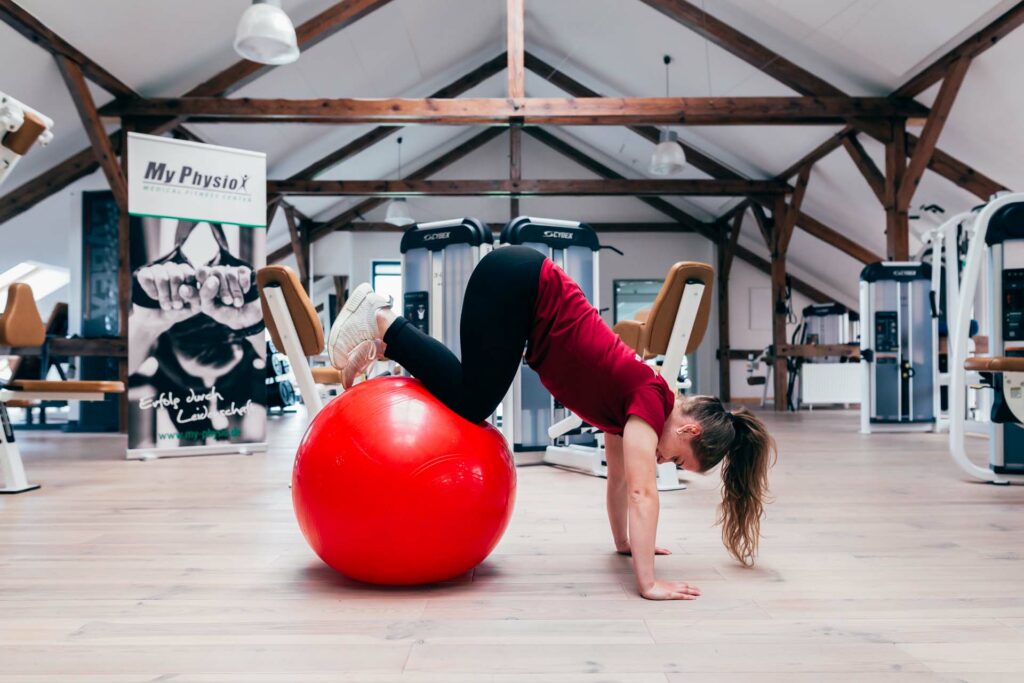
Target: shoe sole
(354, 302)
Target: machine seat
(304, 317)
(45, 386)
(326, 375)
(651, 335)
(995, 364)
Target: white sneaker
(356, 323)
(360, 360)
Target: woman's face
(676, 441)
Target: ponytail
(741, 440)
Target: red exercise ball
(392, 487)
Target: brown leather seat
(20, 324)
(72, 386)
(995, 364)
(304, 317)
(326, 375)
(21, 140)
(651, 336)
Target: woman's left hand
(625, 550)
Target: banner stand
(190, 451)
(197, 349)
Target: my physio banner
(170, 178)
(197, 347)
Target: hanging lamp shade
(398, 213)
(668, 158)
(266, 35)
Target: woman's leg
(497, 314)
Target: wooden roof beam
(502, 111)
(745, 47)
(103, 149)
(874, 177)
(526, 187)
(33, 29)
(81, 164)
(685, 220)
(516, 48)
(970, 48)
(705, 163)
(925, 146)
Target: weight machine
(997, 246)
(899, 347)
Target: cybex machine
(437, 260)
(898, 347)
(998, 239)
(573, 246)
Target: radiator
(822, 383)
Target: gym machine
(997, 246)
(819, 360)
(437, 260)
(899, 347)
(945, 249)
(573, 246)
(21, 127)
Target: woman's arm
(616, 494)
(640, 443)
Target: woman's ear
(691, 428)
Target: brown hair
(742, 441)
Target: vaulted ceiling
(412, 48)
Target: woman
(517, 298)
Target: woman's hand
(221, 296)
(670, 590)
(624, 549)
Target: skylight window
(43, 278)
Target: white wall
(51, 232)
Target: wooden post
(300, 246)
(124, 278)
(515, 164)
(340, 293)
(897, 222)
(778, 276)
(726, 251)
(516, 50)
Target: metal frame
(958, 351)
(293, 349)
(12, 469)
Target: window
(42, 278)
(632, 296)
(386, 279)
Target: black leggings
(497, 314)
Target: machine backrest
(660, 320)
(21, 140)
(304, 317)
(20, 324)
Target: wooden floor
(879, 563)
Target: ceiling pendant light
(668, 158)
(398, 209)
(266, 35)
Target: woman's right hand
(670, 590)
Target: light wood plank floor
(879, 563)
